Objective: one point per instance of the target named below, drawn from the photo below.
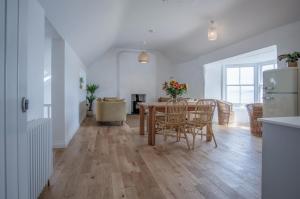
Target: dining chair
(174, 121)
(255, 112)
(200, 118)
(160, 116)
(225, 112)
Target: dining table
(150, 110)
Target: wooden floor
(116, 162)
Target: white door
(14, 184)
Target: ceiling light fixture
(143, 57)
(212, 31)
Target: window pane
(233, 94)
(261, 92)
(233, 76)
(247, 94)
(247, 75)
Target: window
(244, 83)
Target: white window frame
(257, 71)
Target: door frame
(2, 97)
(13, 78)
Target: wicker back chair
(174, 120)
(202, 117)
(255, 111)
(164, 99)
(225, 112)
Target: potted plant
(90, 97)
(174, 89)
(291, 58)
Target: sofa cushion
(111, 99)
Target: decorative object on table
(291, 58)
(174, 89)
(81, 81)
(90, 97)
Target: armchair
(255, 111)
(225, 112)
(111, 110)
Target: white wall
(35, 59)
(104, 73)
(287, 39)
(191, 73)
(67, 68)
(213, 80)
(165, 72)
(47, 69)
(74, 68)
(118, 73)
(58, 92)
(136, 78)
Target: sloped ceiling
(180, 26)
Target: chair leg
(187, 140)
(201, 134)
(177, 135)
(213, 135)
(194, 137)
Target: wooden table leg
(209, 133)
(142, 120)
(151, 133)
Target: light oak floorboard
(116, 162)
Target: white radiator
(40, 155)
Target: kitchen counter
(293, 122)
(281, 158)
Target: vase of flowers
(174, 89)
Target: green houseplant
(90, 97)
(291, 58)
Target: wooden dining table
(151, 109)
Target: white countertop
(293, 122)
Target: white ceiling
(180, 26)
